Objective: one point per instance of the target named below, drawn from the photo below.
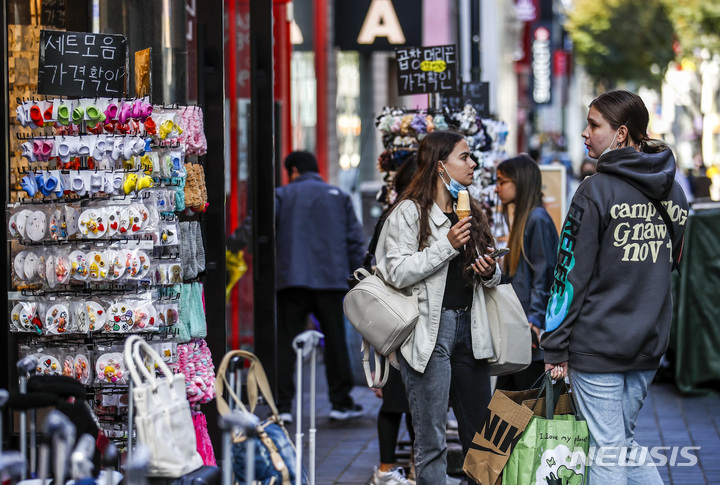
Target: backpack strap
(380, 377)
(671, 231)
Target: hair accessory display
(195, 363)
(30, 265)
(119, 317)
(93, 223)
(57, 319)
(98, 269)
(82, 369)
(110, 368)
(96, 254)
(49, 365)
(35, 226)
(191, 117)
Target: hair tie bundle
(195, 363)
(191, 118)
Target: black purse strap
(671, 231)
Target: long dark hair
(619, 108)
(525, 174)
(422, 190)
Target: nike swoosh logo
(487, 450)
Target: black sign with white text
(476, 94)
(82, 64)
(423, 70)
(52, 13)
(376, 25)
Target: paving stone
(347, 452)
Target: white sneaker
(341, 414)
(396, 476)
(286, 418)
(452, 480)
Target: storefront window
(348, 119)
(304, 102)
(163, 26)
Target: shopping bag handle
(552, 395)
(257, 382)
(136, 365)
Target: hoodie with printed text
(610, 305)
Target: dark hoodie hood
(653, 174)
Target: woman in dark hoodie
(608, 318)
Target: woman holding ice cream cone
(425, 247)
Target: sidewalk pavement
(347, 451)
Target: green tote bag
(552, 450)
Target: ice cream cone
(463, 204)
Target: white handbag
(384, 316)
(162, 413)
(509, 330)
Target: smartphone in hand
(499, 253)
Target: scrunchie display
(191, 119)
(195, 363)
(204, 445)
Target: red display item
(36, 115)
(73, 164)
(96, 129)
(150, 127)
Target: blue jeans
(611, 403)
(452, 372)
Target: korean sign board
(82, 64)
(476, 94)
(426, 69)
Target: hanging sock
(185, 255)
(199, 248)
(198, 325)
(185, 316)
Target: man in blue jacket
(319, 243)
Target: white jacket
(401, 264)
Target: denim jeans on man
(452, 372)
(611, 403)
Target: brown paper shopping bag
(504, 422)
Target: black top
(458, 292)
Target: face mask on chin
(454, 187)
(609, 148)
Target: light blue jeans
(611, 403)
(452, 372)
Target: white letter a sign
(381, 21)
